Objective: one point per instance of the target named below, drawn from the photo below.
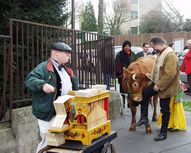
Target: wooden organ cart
(81, 122)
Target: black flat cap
(60, 46)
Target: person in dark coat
(123, 59)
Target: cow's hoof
(154, 119)
(132, 127)
(148, 129)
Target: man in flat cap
(123, 59)
(47, 81)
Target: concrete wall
(115, 104)
(23, 136)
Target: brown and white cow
(134, 81)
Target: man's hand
(47, 88)
(148, 75)
(156, 88)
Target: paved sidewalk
(140, 142)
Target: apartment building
(139, 8)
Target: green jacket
(42, 103)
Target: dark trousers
(148, 92)
(165, 110)
(107, 79)
(164, 105)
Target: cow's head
(134, 83)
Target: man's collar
(60, 67)
(163, 49)
(57, 64)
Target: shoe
(160, 137)
(173, 130)
(142, 121)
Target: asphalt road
(140, 142)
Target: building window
(134, 15)
(134, 1)
(134, 30)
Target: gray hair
(158, 40)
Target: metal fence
(29, 44)
(5, 88)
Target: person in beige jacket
(165, 83)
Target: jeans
(107, 79)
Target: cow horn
(133, 77)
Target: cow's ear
(124, 69)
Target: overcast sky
(183, 6)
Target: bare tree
(117, 16)
(156, 22)
(68, 11)
(186, 26)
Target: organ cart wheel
(108, 148)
